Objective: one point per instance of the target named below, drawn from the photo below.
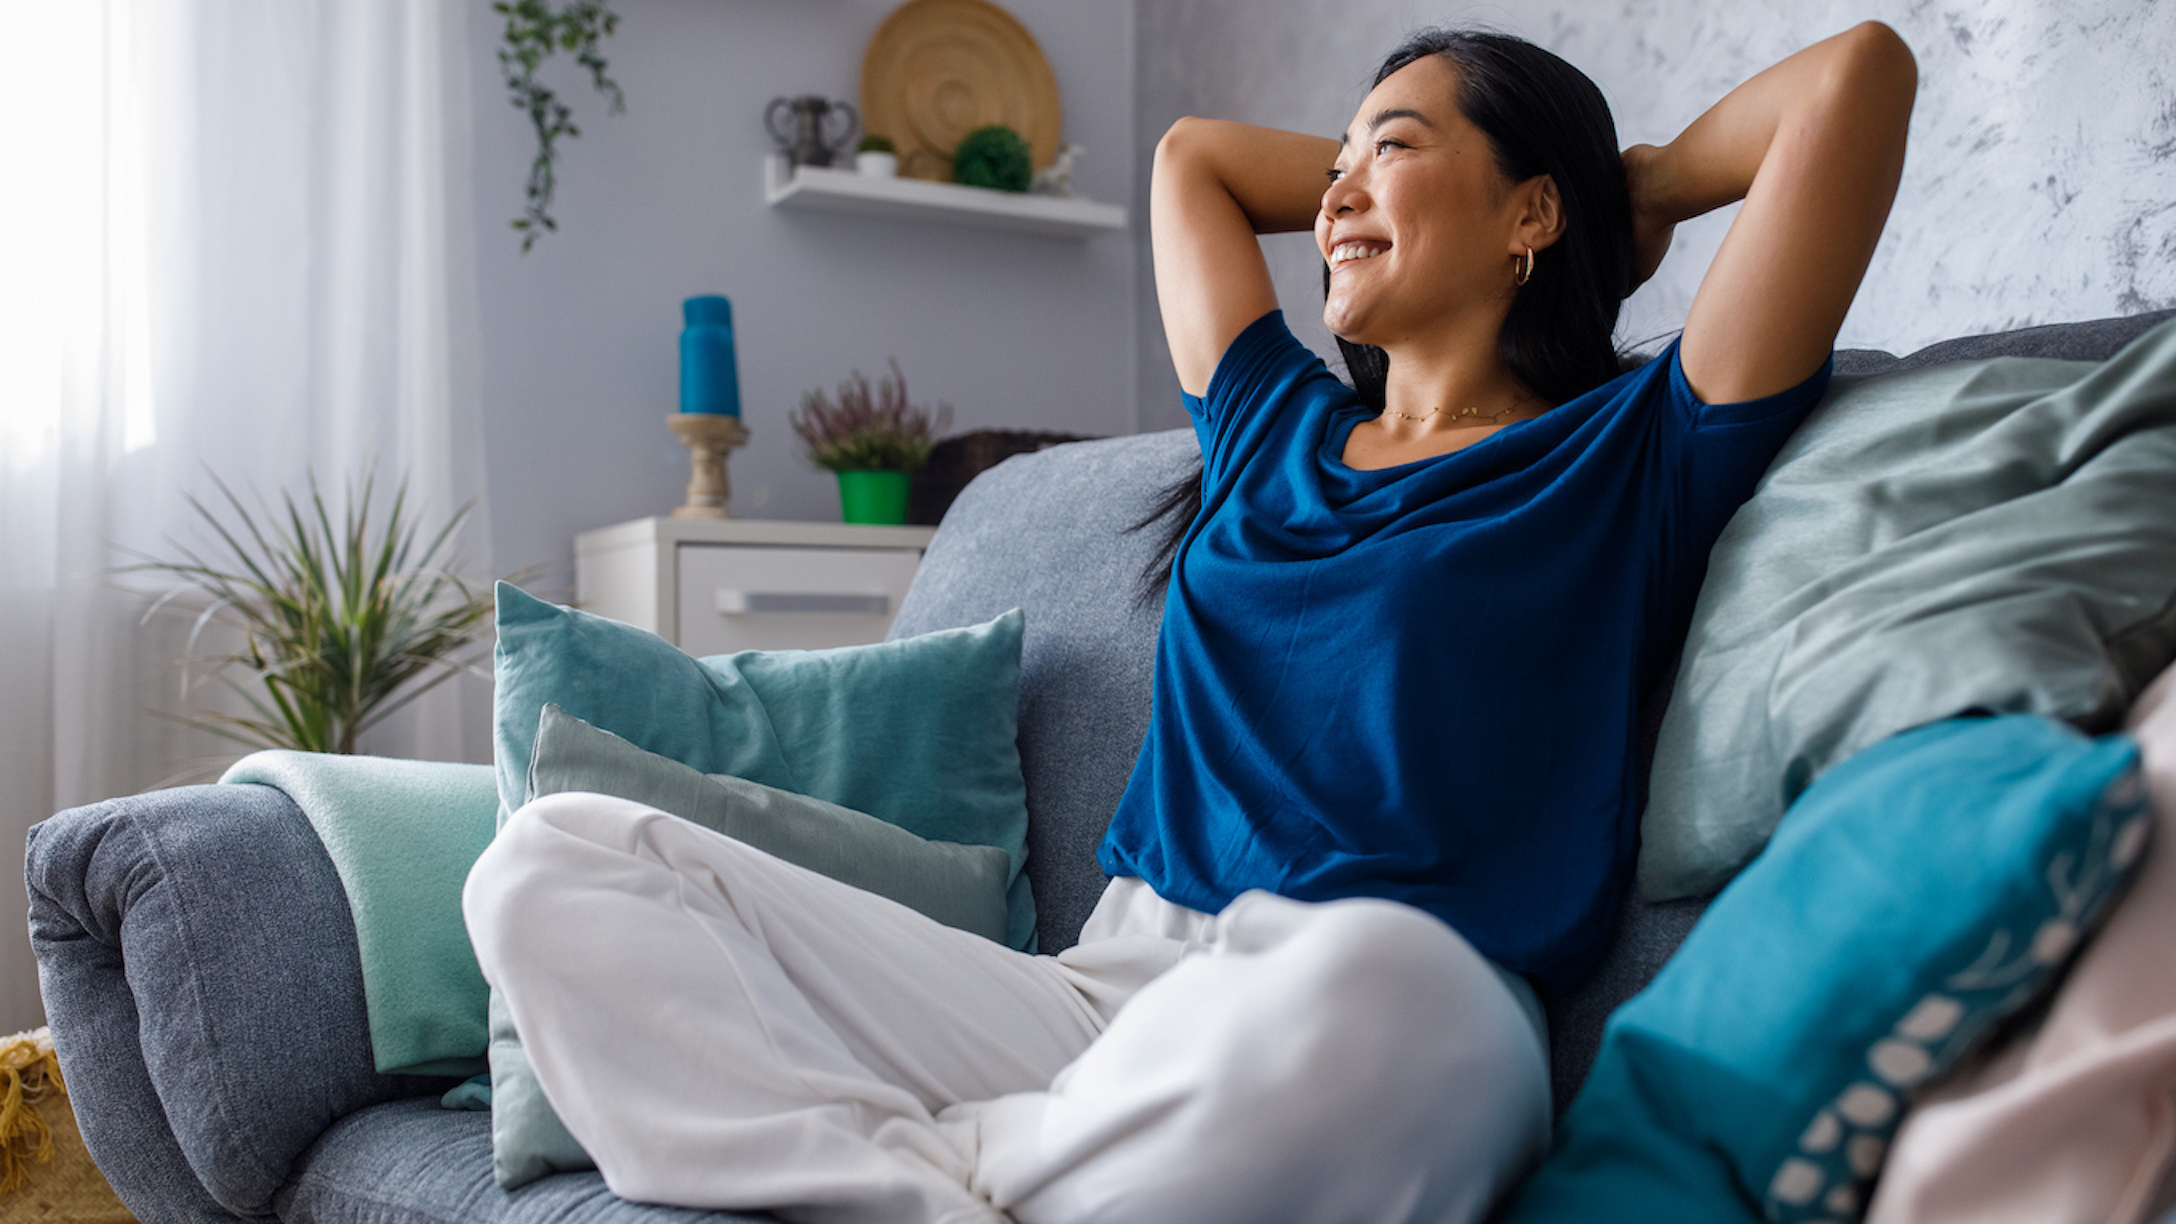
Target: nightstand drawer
(735, 597)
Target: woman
(1388, 777)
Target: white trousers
(723, 1029)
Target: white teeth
(1346, 252)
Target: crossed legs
(723, 1029)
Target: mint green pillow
(959, 886)
(917, 732)
(1912, 898)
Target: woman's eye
(1380, 145)
(1334, 174)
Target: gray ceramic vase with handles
(802, 127)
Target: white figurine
(1057, 179)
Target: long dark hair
(1541, 116)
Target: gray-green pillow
(1993, 535)
(959, 885)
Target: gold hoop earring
(1525, 270)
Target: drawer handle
(742, 603)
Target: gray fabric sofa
(199, 964)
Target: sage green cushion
(918, 732)
(960, 886)
(1991, 536)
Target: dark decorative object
(993, 156)
(535, 31)
(805, 138)
(959, 459)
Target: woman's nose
(1342, 196)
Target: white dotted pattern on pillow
(1843, 1145)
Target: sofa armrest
(200, 973)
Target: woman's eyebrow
(1382, 117)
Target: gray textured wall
(2041, 183)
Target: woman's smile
(1351, 250)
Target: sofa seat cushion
(408, 1162)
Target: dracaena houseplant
(867, 429)
(341, 624)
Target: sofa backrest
(1047, 533)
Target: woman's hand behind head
(1652, 229)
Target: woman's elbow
(1181, 141)
(1877, 63)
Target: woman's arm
(1214, 187)
(1814, 146)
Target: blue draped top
(1421, 682)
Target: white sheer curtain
(235, 238)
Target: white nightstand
(717, 586)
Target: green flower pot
(873, 497)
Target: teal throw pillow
(917, 732)
(1982, 536)
(1916, 895)
(960, 886)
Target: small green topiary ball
(993, 156)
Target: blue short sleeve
(1726, 448)
(1263, 377)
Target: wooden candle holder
(709, 437)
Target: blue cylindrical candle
(709, 379)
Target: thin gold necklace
(1473, 414)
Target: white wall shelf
(844, 191)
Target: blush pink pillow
(2073, 1122)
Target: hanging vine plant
(535, 31)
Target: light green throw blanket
(402, 835)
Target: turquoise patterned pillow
(1913, 897)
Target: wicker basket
(960, 458)
(46, 1174)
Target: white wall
(2040, 185)
(666, 201)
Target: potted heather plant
(873, 439)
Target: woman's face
(1417, 224)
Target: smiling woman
(1472, 560)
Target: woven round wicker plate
(938, 69)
